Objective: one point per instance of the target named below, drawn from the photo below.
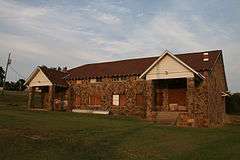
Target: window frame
(121, 100)
(142, 100)
(94, 100)
(75, 100)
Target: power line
(17, 72)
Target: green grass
(68, 136)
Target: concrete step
(232, 119)
(167, 118)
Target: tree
(19, 85)
(2, 74)
(233, 104)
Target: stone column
(42, 99)
(51, 97)
(165, 100)
(31, 97)
(69, 99)
(190, 95)
(150, 114)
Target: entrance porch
(52, 98)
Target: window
(119, 100)
(77, 100)
(94, 100)
(115, 79)
(139, 100)
(123, 78)
(119, 78)
(116, 100)
(99, 79)
(78, 82)
(122, 100)
(95, 80)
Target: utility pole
(5, 76)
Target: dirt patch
(27, 133)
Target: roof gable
(40, 79)
(43, 76)
(55, 76)
(181, 63)
(168, 68)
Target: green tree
(2, 74)
(233, 104)
(19, 85)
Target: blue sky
(74, 32)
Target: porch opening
(170, 94)
(47, 98)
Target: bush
(233, 104)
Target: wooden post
(51, 97)
(31, 93)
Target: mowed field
(29, 135)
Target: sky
(75, 32)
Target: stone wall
(217, 85)
(198, 103)
(106, 89)
(204, 104)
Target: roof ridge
(198, 52)
(49, 68)
(129, 59)
(114, 61)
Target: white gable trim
(166, 52)
(33, 74)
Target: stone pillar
(51, 93)
(188, 119)
(69, 99)
(190, 95)
(31, 97)
(42, 99)
(165, 100)
(150, 113)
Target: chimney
(64, 69)
(205, 57)
(59, 68)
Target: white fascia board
(166, 52)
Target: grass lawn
(66, 136)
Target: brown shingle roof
(55, 76)
(138, 66)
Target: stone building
(183, 89)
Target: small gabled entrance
(171, 85)
(49, 86)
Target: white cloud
(70, 35)
(11, 9)
(108, 19)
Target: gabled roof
(54, 76)
(140, 65)
(174, 57)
